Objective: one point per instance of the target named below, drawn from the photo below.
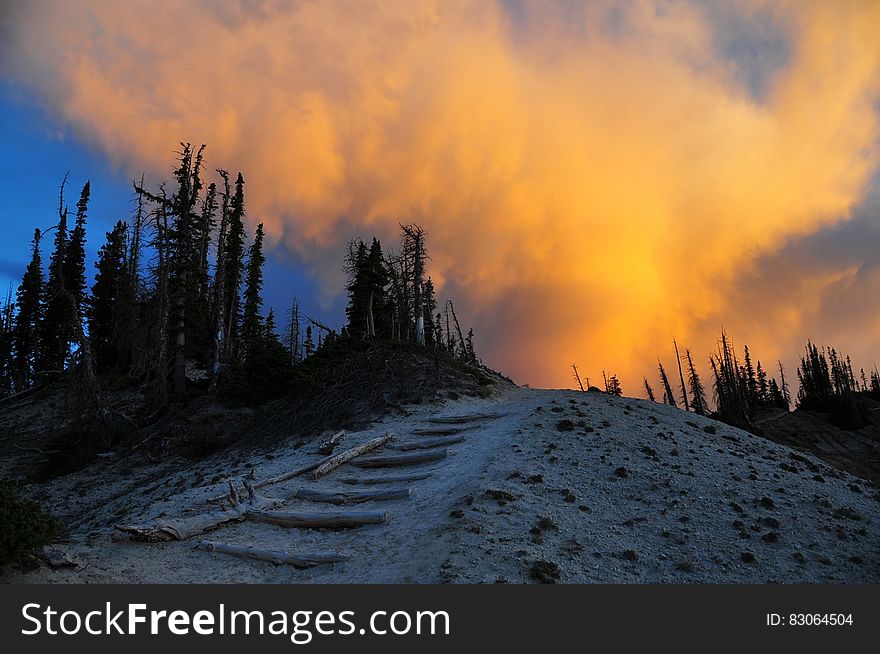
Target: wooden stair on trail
(441, 431)
(329, 520)
(272, 556)
(425, 444)
(352, 497)
(460, 420)
(387, 479)
(396, 460)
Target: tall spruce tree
(698, 394)
(75, 259)
(105, 312)
(252, 322)
(233, 254)
(26, 331)
(56, 325)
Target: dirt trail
(560, 486)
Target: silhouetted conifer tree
(253, 301)
(28, 320)
(104, 307)
(649, 392)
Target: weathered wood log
(352, 497)
(387, 479)
(272, 556)
(309, 466)
(459, 420)
(348, 455)
(328, 445)
(338, 520)
(401, 459)
(441, 431)
(182, 528)
(427, 443)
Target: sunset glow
(595, 178)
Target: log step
(272, 556)
(425, 444)
(459, 420)
(387, 479)
(395, 460)
(441, 431)
(330, 520)
(352, 497)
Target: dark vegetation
(24, 526)
(171, 351)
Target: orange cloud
(593, 179)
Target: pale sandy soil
(635, 492)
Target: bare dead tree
(577, 377)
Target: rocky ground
(557, 486)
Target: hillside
(855, 451)
(545, 486)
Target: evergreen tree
(104, 309)
(649, 392)
(698, 395)
(763, 390)
(309, 345)
(233, 250)
(26, 331)
(253, 301)
(57, 321)
(7, 317)
(292, 338)
(75, 258)
(751, 379)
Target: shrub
(24, 525)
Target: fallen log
(401, 459)
(330, 444)
(352, 497)
(459, 420)
(338, 520)
(183, 528)
(348, 455)
(388, 479)
(440, 431)
(428, 443)
(272, 556)
(310, 466)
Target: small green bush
(24, 525)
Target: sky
(595, 178)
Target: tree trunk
(338, 520)
(401, 459)
(272, 556)
(348, 455)
(426, 443)
(352, 497)
(388, 479)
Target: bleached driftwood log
(426, 443)
(400, 459)
(272, 556)
(459, 420)
(330, 444)
(370, 445)
(183, 528)
(387, 479)
(441, 431)
(352, 497)
(348, 455)
(336, 520)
